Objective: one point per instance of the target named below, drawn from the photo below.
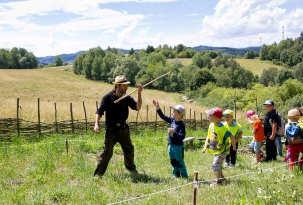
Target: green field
(256, 65)
(61, 85)
(183, 61)
(40, 172)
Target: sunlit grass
(41, 172)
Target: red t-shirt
(258, 130)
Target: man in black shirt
(117, 130)
(272, 122)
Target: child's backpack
(293, 130)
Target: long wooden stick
(124, 96)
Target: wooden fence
(18, 126)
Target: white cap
(179, 108)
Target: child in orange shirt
(258, 132)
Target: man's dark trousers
(271, 150)
(112, 136)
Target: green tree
(264, 52)
(298, 72)
(201, 77)
(283, 75)
(201, 60)
(58, 61)
(128, 67)
(131, 51)
(180, 47)
(97, 65)
(268, 76)
(150, 49)
(250, 55)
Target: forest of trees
(17, 58)
(288, 52)
(144, 65)
(211, 74)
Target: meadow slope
(61, 85)
(42, 173)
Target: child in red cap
(218, 142)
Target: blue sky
(65, 26)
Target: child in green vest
(218, 142)
(236, 130)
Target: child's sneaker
(226, 165)
(217, 182)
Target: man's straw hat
(121, 80)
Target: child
(236, 130)
(176, 135)
(258, 132)
(294, 137)
(217, 142)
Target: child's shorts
(218, 161)
(256, 146)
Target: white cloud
(42, 38)
(235, 23)
(138, 1)
(243, 22)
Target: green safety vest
(235, 128)
(218, 138)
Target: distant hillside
(227, 50)
(69, 58)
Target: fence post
(56, 118)
(66, 146)
(235, 109)
(39, 122)
(195, 185)
(195, 121)
(18, 106)
(201, 117)
(156, 119)
(146, 113)
(72, 117)
(257, 109)
(84, 109)
(137, 119)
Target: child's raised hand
(156, 104)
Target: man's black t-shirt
(269, 119)
(115, 112)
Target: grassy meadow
(183, 61)
(40, 172)
(62, 86)
(256, 65)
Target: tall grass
(41, 172)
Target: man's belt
(117, 124)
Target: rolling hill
(69, 58)
(61, 85)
